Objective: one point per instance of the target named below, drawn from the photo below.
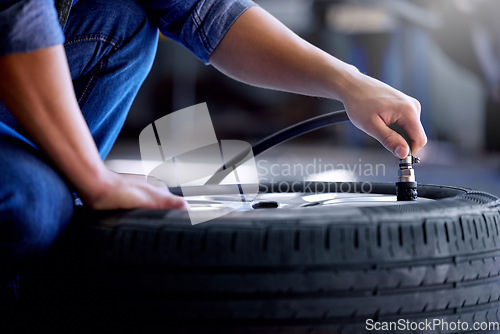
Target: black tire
(302, 270)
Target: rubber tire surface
(304, 270)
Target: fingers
(410, 121)
(389, 138)
(152, 196)
(175, 202)
(407, 115)
(162, 198)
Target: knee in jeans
(140, 28)
(120, 25)
(120, 21)
(31, 220)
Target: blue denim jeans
(110, 47)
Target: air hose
(406, 187)
(277, 138)
(299, 129)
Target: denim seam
(201, 30)
(91, 39)
(101, 65)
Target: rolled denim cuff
(29, 25)
(206, 25)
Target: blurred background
(444, 53)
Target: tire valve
(406, 187)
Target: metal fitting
(406, 187)
(406, 173)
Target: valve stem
(406, 187)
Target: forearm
(261, 51)
(37, 89)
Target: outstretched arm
(261, 51)
(37, 89)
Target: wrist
(346, 83)
(96, 184)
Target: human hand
(372, 106)
(128, 191)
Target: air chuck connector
(406, 187)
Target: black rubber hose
(299, 129)
(279, 137)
